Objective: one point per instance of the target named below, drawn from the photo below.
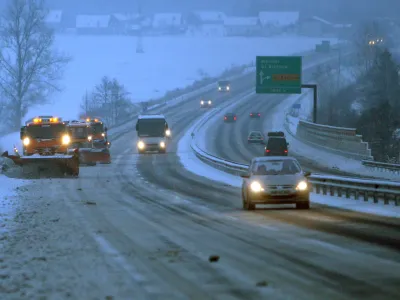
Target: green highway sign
(278, 74)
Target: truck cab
(45, 135)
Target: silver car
(275, 180)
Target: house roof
(125, 17)
(241, 21)
(279, 18)
(54, 16)
(330, 23)
(210, 16)
(168, 19)
(92, 21)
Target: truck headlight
(141, 145)
(168, 132)
(162, 144)
(302, 186)
(256, 187)
(26, 141)
(66, 139)
(103, 134)
(89, 138)
(202, 102)
(209, 102)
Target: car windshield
(276, 167)
(151, 127)
(223, 83)
(277, 143)
(79, 132)
(45, 131)
(97, 128)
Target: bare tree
(30, 68)
(109, 100)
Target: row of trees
(372, 103)
(30, 69)
(109, 100)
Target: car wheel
(303, 205)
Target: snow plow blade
(86, 156)
(53, 166)
(101, 156)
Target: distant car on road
(255, 115)
(255, 137)
(230, 118)
(224, 86)
(276, 144)
(275, 180)
(205, 104)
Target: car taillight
(259, 115)
(285, 151)
(267, 150)
(224, 118)
(251, 115)
(234, 118)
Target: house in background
(278, 22)
(242, 26)
(316, 26)
(168, 23)
(206, 23)
(54, 20)
(93, 24)
(120, 23)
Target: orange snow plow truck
(45, 141)
(82, 139)
(100, 141)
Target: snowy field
(168, 63)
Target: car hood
(279, 179)
(152, 140)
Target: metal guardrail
(339, 186)
(380, 166)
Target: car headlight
(89, 138)
(256, 187)
(162, 144)
(227, 88)
(66, 139)
(302, 186)
(201, 102)
(26, 141)
(167, 132)
(219, 88)
(141, 145)
(209, 102)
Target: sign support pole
(315, 100)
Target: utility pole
(139, 42)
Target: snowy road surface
(146, 228)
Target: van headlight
(227, 88)
(26, 141)
(162, 144)
(66, 139)
(89, 138)
(168, 132)
(141, 145)
(219, 88)
(256, 187)
(302, 186)
(209, 102)
(202, 102)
